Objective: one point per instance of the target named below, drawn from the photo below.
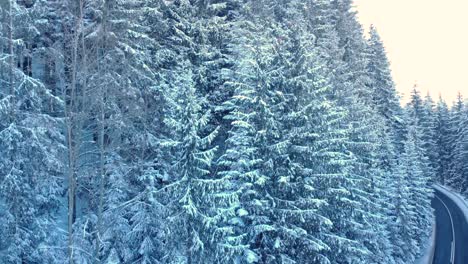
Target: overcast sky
(426, 41)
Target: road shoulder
(456, 198)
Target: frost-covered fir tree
(256, 76)
(384, 94)
(322, 21)
(402, 235)
(456, 127)
(391, 182)
(412, 205)
(421, 112)
(458, 142)
(428, 132)
(462, 153)
(32, 147)
(420, 184)
(316, 132)
(197, 201)
(292, 103)
(367, 137)
(339, 35)
(243, 160)
(200, 31)
(442, 141)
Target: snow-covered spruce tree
(256, 77)
(318, 161)
(322, 18)
(459, 168)
(316, 127)
(369, 181)
(384, 94)
(284, 211)
(211, 25)
(340, 37)
(177, 34)
(442, 141)
(391, 195)
(386, 102)
(411, 207)
(198, 202)
(241, 163)
(421, 112)
(456, 126)
(419, 173)
(462, 153)
(402, 229)
(367, 137)
(428, 133)
(200, 31)
(32, 146)
(47, 61)
(297, 97)
(286, 203)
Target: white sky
(426, 41)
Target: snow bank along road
(451, 229)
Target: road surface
(450, 223)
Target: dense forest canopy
(213, 131)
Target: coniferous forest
(213, 131)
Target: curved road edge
(451, 212)
(455, 197)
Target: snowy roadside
(428, 255)
(429, 249)
(457, 198)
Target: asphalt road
(450, 222)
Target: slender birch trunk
(102, 131)
(11, 61)
(72, 129)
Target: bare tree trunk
(101, 176)
(11, 64)
(11, 61)
(72, 119)
(71, 189)
(102, 131)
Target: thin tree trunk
(102, 132)
(71, 190)
(11, 61)
(101, 170)
(12, 91)
(101, 178)
(72, 146)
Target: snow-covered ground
(428, 250)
